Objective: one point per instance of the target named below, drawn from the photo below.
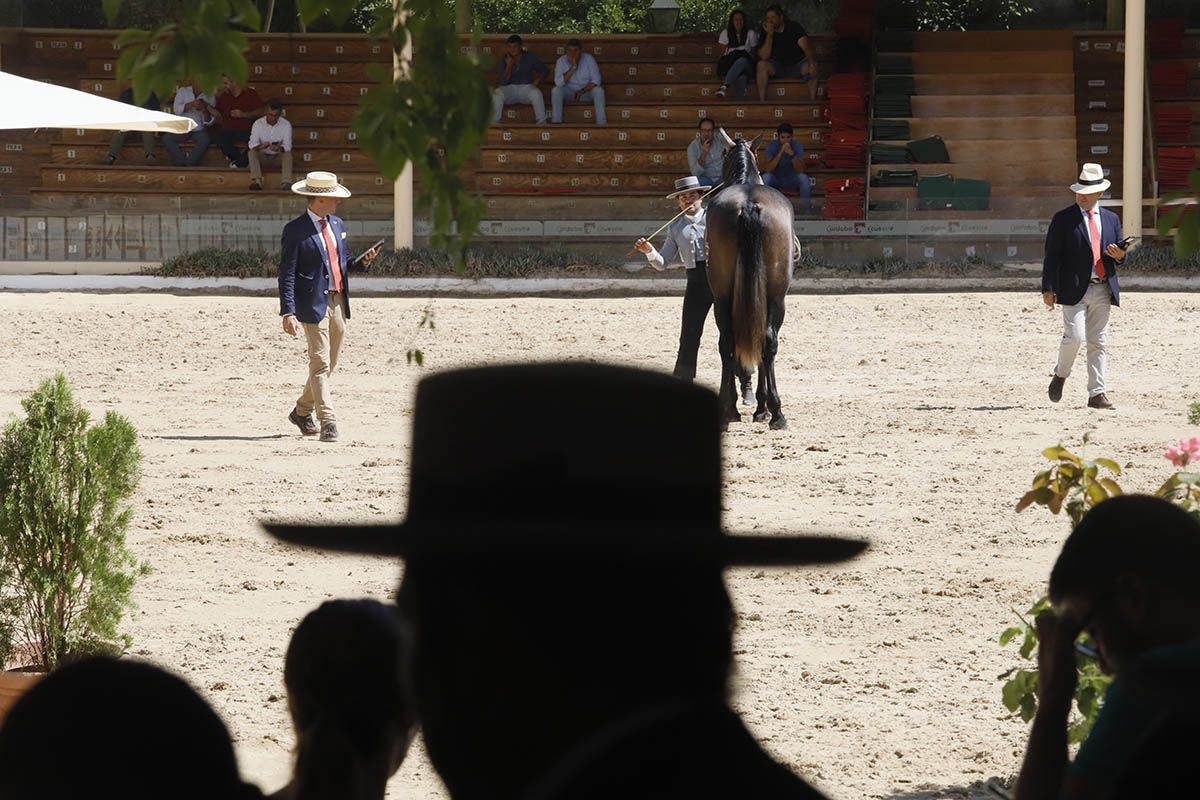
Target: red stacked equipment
(1166, 35)
(844, 198)
(1169, 80)
(1173, 124)
(1174, 165)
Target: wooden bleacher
(1003, 101)
(657, 88)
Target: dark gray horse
(749, 269)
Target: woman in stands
(739, 40)
(347, 678)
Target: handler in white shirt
(270, 137)
(577, 77)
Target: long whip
(682, 211)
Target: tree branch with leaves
(434, 116)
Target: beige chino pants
(324, 340)
(285, 162)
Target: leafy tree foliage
(1178, 212)
(434, 118)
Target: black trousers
(228, 141)
(697, 300)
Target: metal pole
(1135, 87)
(402, 199)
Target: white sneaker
(721, 91)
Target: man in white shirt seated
(270, 137)
(189, 102)
(577, 78)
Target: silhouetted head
(1128, 572)
(103, 727)
(347, 679)
(517, 659)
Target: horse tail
(749, 289)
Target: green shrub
(1159, 258)
(63, 518)
(219, 263)
(481, 262)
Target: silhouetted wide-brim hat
(566, 460)
(320, 184)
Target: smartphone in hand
(357, 263)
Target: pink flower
(1186, 453)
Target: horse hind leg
(770, 348)
(760, 412)
(723, 313)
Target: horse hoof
(779, 423)
(760, 416)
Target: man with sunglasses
(1126, 579)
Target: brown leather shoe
(307, 425)
(1056, 387)
(1099, 401)
(329, 432)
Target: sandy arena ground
(916, 420)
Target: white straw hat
(320, 184)
(1091, 180)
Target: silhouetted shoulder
(702, 753)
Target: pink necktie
(335, 266)
(1095, 232)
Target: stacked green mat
(895, 41)
(929, 150)
(895, 84)
(893, 105)
(958, 194)
(893, 129)
(889, 153)
(895, 177)
(893, 65)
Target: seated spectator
(270, 137)
(784, 165)
(706, 156)
(739, 41)
(103, 727)
(784, 51)
(518, 80)
(192, 103)
(237, 109)
(577, 77)
(118, 137)
(1126, 578)
(347, 679)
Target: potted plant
(66, 574)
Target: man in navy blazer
(314, 294)
(1080, 273)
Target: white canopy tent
(33, 104)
